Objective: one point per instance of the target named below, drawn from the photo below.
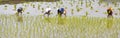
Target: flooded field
(84, 20)
(70, 27)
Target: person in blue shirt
(61, 11)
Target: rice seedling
(81, 3)
(47, 6)
(96, 11)
(33, 6)
(61, 2)
(72, 11)
(14, 7)
(27, 26)
(100, 1)
(86, 4)
(105, 12)
(119, 9)
(78, 9)
(66, 8)
(71, 3)
(91, 7)
(86, 13)
(89, 4)
(42, 9)
(39, 6)
(57, 27)
(5, 7)
(28, 13)
(115, 4)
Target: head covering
(110, 8)
(20, 8)
(47, 9)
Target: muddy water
(74, 8)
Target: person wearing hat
(109, 12)
(61, 11)
(47, 11)
(19, 10)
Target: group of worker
(62, 11)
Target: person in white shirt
(47, 11)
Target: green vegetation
(61, 2)
(28, 13)
(14, 7)
(33, 6)
(42, 9)
(78, 9)
(5, 7)
(105, 13)
(87, 4)
(96, 11)
(86, 13)
(119, 9)
(91, 8)
(100, 1)
(39, 6)
(15, 26)
(27, 26)
(81, 3)
(72, 11)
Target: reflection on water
(65, 27)
(47, 20)
(109, 22)
(61, 21)
(19, 19)
(0, 22)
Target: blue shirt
(61, 10)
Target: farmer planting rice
(61, 11)
(19, 13)
(109, 12)
(19, 10)
(47, 11)
(80, 21)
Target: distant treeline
(110, 1)
(103, 0)
(21, 1)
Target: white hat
(47, 9)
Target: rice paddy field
(85, 19)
